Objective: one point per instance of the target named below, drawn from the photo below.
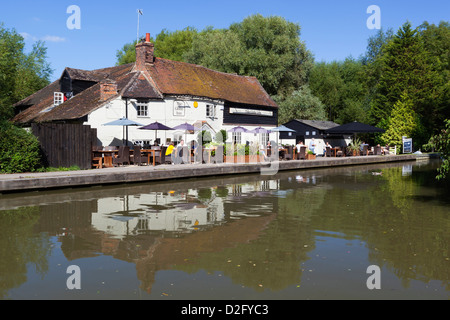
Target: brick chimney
(144, 53)
(108, 89)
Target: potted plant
(355, 146)
(310, 155)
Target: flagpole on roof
(140, 12)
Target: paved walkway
(130, 174)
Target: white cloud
(53, 39)
(28, 36)
(47, 38)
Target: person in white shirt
(312, 145)
(299, 146)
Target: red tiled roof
(180, 78)
(38, 101)
(141, 88)
(164, 77)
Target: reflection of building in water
(158, 230)
(169, 212)
(179, 211)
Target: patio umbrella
(238, 129)
(354, 128)
(282, 129)
(156, 126)
(125, 123)
(185, 127)
(260, 130)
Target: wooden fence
(65, 145)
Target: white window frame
(236, 137)
(307, 133)
(58, 98)
(210, 111)
(264, 139)
(142, 109)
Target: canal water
(296, 235)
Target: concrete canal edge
(132, 174)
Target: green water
(295, 235)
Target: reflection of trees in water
(272, 261)
(413, 240)
(406, 235)
(403, 232)
(20, 246)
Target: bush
(441, 143)
(19, 150)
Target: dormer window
(58, 98)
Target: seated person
(327, 145)
(262, 151)
(299, 146)
(362, 147)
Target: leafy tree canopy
(268, 48)
(21, 74)
(406, 65)
(402, 122)
(301, 104)
(168, 45)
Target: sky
(331, 29)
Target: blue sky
(331, 29)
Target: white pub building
(153, 90)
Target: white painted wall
(191, 110)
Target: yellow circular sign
(195, 104)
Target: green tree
(19, 149)
(326, 83)
(354, 95)
(436, 40)
(405, 66)
(11, 47)
(173, 45)
(441, 143)
(168, 45)
(34, 72)
(300, 104)
(342, 87)
(221, 136)
(403, 122)
(21, 74)
(376, 45)
(218, 49)
(268, 48)
(127, 54)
